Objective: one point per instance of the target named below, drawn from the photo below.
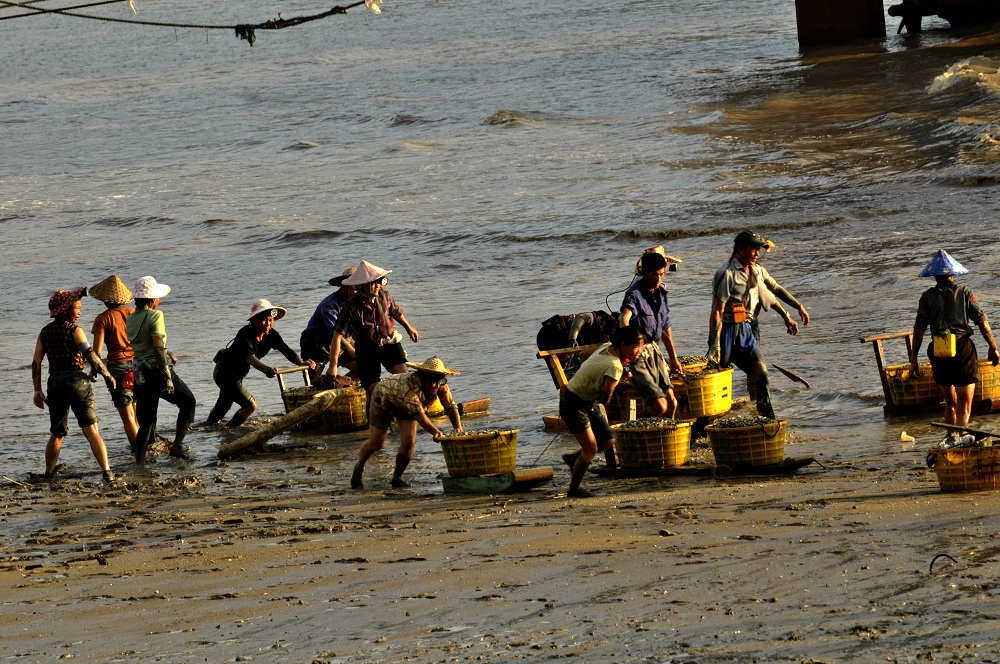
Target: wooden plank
(885, 337)
(976, 433)
(474, 407)
(256, 440)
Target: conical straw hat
(112, 290)
(942, 265)
(365, 274)
(433, 364)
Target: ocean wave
(670, 234)
(133, 221)
(515, 118)
(299, 238)
(977, 71)
(403, 119)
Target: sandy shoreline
(826, 565)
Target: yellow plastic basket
(618, 407)
(704, 394)
(349, 412)
(480, 453)
(758, 445)
(655, 447)
(968, 469)
(987, 381)
(907, 390)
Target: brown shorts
(959, 370)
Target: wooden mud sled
(514, 481)
(351, 412)
(906, 394)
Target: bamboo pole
(256, 440)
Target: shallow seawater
(507, 161)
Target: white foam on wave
(980, 71)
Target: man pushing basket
(405, 397)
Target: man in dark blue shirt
(646, 301)
(316, 338)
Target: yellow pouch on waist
(944, 345)
(739, 312)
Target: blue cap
(943, 265)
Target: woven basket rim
(752, 426)
(669, 427)
(463, 435)
(685, 376)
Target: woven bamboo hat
(365, 274)
(339, 281)
(112, 290)
(433, 364)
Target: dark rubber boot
(570, 459)
(402, 461)
(237, 420)
(579, 470)
(609, 457)
(359, 469)
(764, 407)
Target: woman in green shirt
(155, 378)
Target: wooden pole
(256, 440)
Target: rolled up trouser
(650, 374)
(739, 347)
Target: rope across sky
(243, 30)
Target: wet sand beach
(286, 564)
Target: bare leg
(97, 445)
(131, 425)
(963, 408)
(950, 404)
(52, 449)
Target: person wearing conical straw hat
(947, 308)
(316, 338)
(405, 397)
(155, 377)
(369, 318)
(109, 328)
(65, 344)
(232, 364)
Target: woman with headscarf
(232, 364)
(155, 377)
(65, 344)
(109, 328)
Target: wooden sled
(907, 395)
(786, 467)
(524, 479)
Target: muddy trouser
(650, 375)
(147, 400)
(231, 391)
(69, 389)
(739, 347)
